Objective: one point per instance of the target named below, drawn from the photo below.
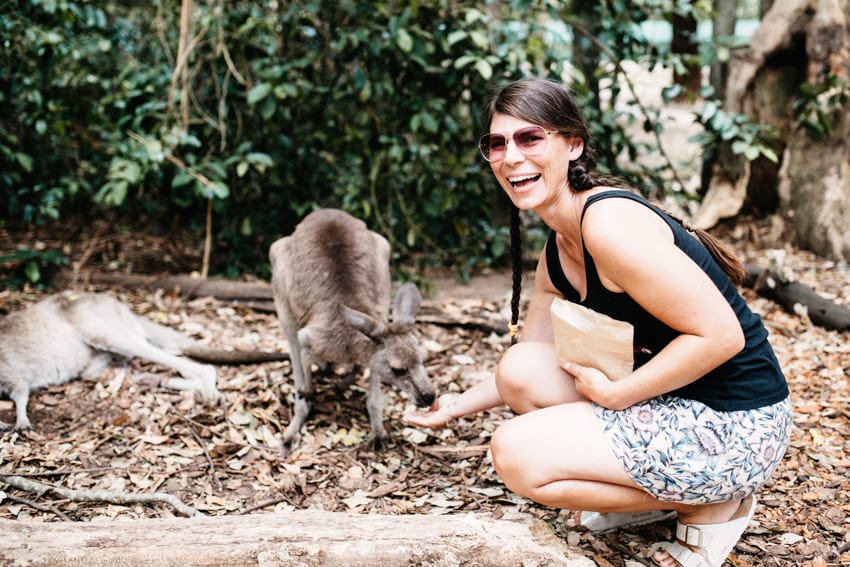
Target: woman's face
(532, 179)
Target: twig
(221, 46)
(64, 472)
(37, 506)
(92, 247)
(200, 177)
(200, 443)
(110, 497)
(373, 190)
(265, 504)
(624, 550)
(205, 266)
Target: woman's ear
(575, 147)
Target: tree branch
(29, 485)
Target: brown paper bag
(592, 339)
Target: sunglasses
(530, 140)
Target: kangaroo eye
(399, 372)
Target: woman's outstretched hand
(436, 417)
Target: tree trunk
(798, 42)
(684, 43)
(723, 26)
(298, 538)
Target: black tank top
(751, 379)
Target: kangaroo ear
(408, 300)
(363, 323)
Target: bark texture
(797, 298)
(302, 538)
(798, 41)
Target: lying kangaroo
(70, 335)
(331, 287)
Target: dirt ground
(125, 433)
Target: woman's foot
(705, 538)
(600, 523)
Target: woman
(704, 418)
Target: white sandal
(716, 540)
(600, 523)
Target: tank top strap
(607, 195)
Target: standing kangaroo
(331, 287)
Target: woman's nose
(512, 153)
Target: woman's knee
(506, 449)
(518, 462)
(508, 374)
(528, 377)
(516, 367)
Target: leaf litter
(123, 432)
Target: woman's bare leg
(559, 457)
(528, 378)
(556, 452)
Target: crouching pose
(704, 418)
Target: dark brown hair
(553, 106)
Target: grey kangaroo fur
(69, 335)
(331, 287)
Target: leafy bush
(281, 107)
(31, 267)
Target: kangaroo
(331, 288)
(69, 335)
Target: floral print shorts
(681, 450)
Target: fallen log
(791, 296)
(798, 298)
(296, 538)
(186, 285)
(256, 295)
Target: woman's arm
(634, 252)
(537, 326)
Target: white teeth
(522, 178)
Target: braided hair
(553, 106)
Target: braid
(516, 266)
(580, 172)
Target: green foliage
(373, 107)
(32, 267)
(817, 106)
(745, 138)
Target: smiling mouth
(523, 180)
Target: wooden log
(256, 295)
(795, 297)
(297, 538)
(791, 296)
(184, 284)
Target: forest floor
(123, 432)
